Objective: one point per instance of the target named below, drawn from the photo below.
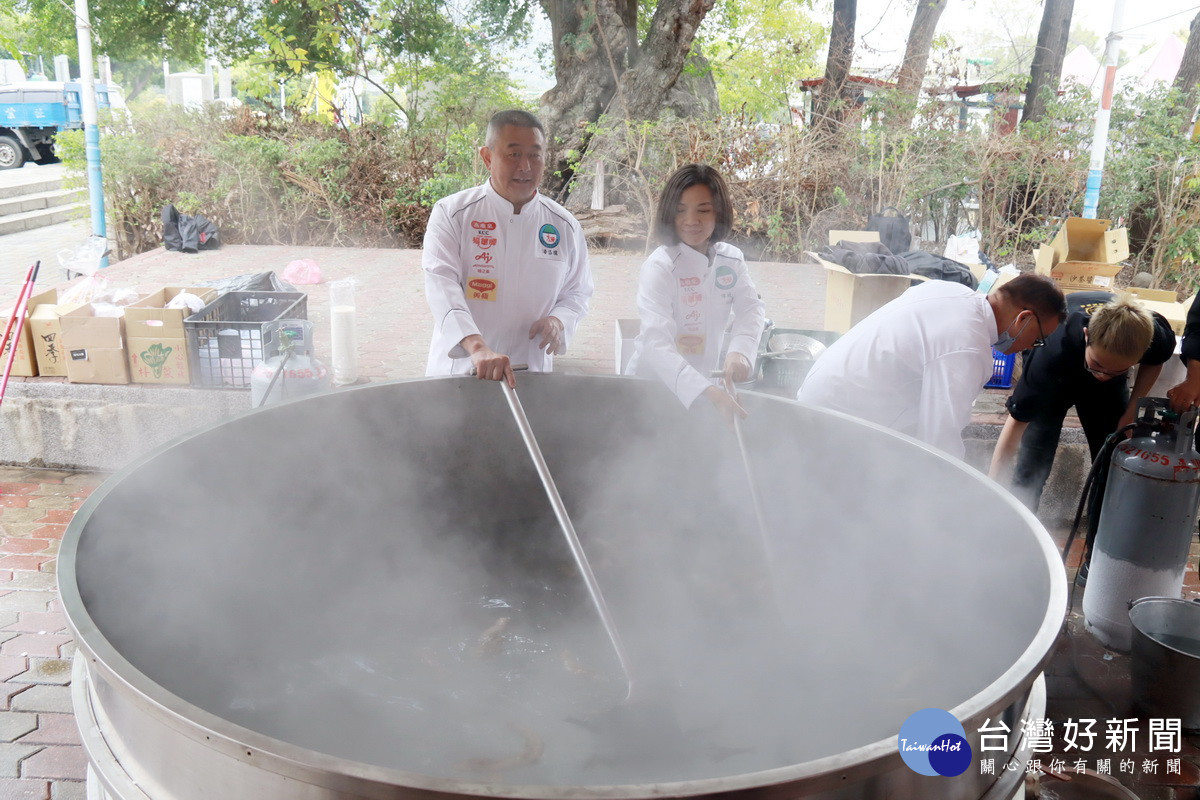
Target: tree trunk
(833, 98)
(916, 56)
(636, 85)
(1048, 57)
(591, 41)
(1189, 72)
(644, 88)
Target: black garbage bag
(893, 229)
(939, 268)
(864, 258)
(172, 240)
(188, 233)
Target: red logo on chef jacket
(481, 289)
(693, 299)
(684, 283)
(484, 238)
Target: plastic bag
(893, 229)
(188, 233)
(252, 282)
(302, 271)
(186, 300)
(964, 248)
(84, 259)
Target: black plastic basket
(225, 338)
(785, 371)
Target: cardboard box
(158, 360)
(156, 343)
(97, 365)
(1154, 295)
(849, 296)
(25, 364)
(150, 318)
(94, 347)
(1084, 255)
(1175, 313)
(46, 334)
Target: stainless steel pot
(1165, 667)
(309, 602)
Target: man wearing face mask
(916, 364)
(1085, 364)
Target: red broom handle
(13, 316)
(22, 305)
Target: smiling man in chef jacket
(506, 268)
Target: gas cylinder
(293, 371)
(1146, 522)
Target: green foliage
(1151, 180)
(460, 168)
(758, 49)
(262, 180)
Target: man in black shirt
(1084, 371)
(1187, 394)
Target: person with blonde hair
(1084, 364)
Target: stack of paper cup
(343, 342)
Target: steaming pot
(399, 619)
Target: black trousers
(1099, 406)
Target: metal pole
(1091, 198)
(91, 127)
(568, 529)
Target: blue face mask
(1006, 339)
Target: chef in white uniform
(506, 268)
(917, 364)
(689, 290)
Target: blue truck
(32, 112)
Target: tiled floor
(40, 753)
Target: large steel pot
(307, 602)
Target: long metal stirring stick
(564, 522)
(755, 499)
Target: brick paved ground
(40, 753)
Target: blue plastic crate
(1002, 370)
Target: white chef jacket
(915, 365)
(685, 300)
(494, 273)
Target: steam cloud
(376, 574)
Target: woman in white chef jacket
(689, 289)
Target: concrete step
(33, 185)
(32, 202)
(39, 218)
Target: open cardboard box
(850, 296)
(155, 340)
(94, 347)
(1154, 295)
(1175, 313)
(1084, 255)
(25, 364)
(46, 333)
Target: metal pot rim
(277, 755)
